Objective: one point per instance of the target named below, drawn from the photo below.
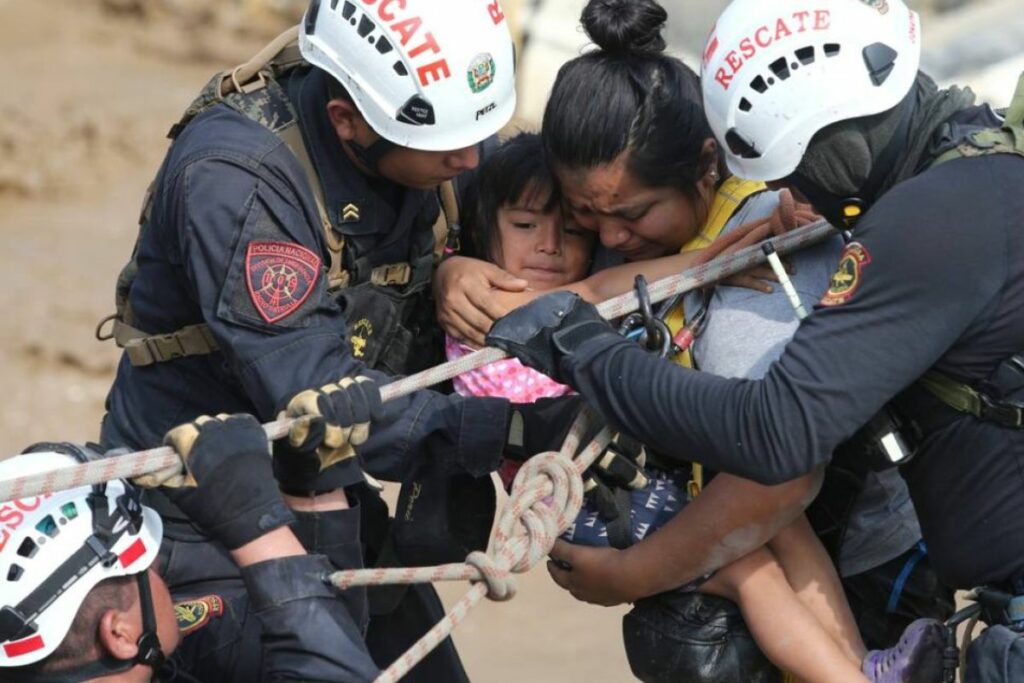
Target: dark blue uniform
(302, 632)
(234, 241)
(227, 183)
(935, 280)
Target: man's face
(408, 167)
(426, 170)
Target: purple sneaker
(917, 658)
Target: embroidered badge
(847, 276)
(361, 333)
(192, 615)
(480, 74)
(280, 277)
(350, 213)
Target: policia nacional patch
(280, 277)
(192, 615)
(847, 277)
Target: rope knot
(546, 497)
(501, 584)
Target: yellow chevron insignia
(350, 213)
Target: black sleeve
(233, 217)
(307, 633)
(928, 271)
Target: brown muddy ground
(88, 89)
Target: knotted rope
(546, 497)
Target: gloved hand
(329, 423)
(621, 464)
(227, 487)
(540, 426)
(548, 329)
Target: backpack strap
(447, 219)
(1008, 139)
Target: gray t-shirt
(747, 331)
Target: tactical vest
(388, 307)
(991, 401)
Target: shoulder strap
(337, 276)
(447, 219)
(1008, 139)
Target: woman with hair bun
(638, 165)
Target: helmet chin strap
(371, 155)
(150, 653)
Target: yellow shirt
(730, 196)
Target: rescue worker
(84, 601)
(924, 308)
(287, 243)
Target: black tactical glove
(227, 487)
(319, 453)
(540, 426)
(621, 464)
(548, 329)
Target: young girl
(517, 223)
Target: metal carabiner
(646, 310)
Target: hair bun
(624, 26)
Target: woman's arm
(612, 282)
(728, 520)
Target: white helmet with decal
(55, 548)
(775, 73)
(425, 74)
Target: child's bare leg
(811, 574)
(783, 627)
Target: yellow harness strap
(730, 197)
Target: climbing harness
(648, 330)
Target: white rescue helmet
(776, 72)
(435, 75)
(60, 540)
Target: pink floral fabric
(504, 379)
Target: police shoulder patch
(848, 275)
(280, 277)
(193, 614)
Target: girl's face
(543, 247)
(637, 221)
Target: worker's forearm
(728, 520)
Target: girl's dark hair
(516, 172)
(629, 95)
